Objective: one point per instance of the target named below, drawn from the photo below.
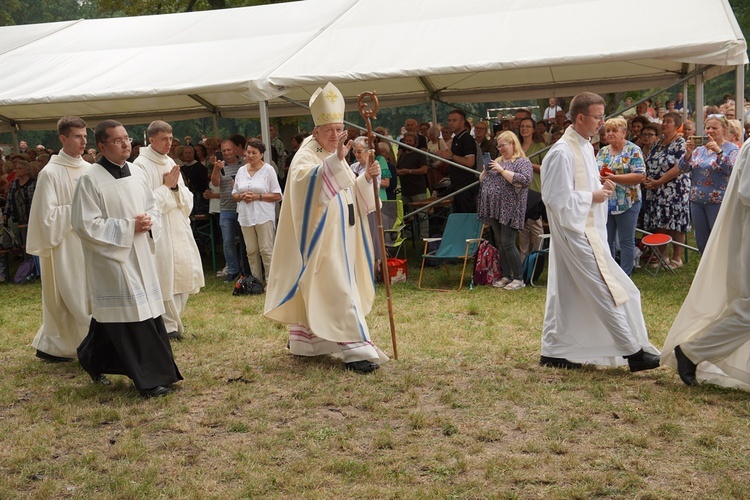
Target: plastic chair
(460, 240)
(651, 242)
(541, 251)
(392, 213)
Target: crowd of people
(123, 212)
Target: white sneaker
(221, 273)
(515, 285)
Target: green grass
(466, 411)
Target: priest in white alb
(593, 312)
(115, 215)
(178, 262)
(322, 281)
(710, 337)
(65, 317)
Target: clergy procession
(122, 225)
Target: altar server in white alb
(593, 312)
(710, 338)
(178, 261)
(322, 281)
(65, 317)
(115, 214)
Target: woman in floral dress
(667, 207)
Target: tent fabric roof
(180, 66)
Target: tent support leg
(685, 114)
(265, 130)
(434, 112)
(739, 93)
(699, 104)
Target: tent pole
(699, 104)
(13, 138)
(685, 113)
(265, 130)
(215, 118)
(739, 94)
(434, 112)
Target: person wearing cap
(65, 316)
(322, 282)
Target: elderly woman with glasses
(504, 187)
(621, 162)
(666, 207)
(710, 166)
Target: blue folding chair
(460, 240)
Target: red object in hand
(605, 171)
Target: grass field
(466, 412)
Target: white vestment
(322, 266)
(593, 312)
(121, 279)
(65, 317)
(178, 261)
(713, 325)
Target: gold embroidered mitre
(327, 105)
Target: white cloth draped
(582, 321)
(65, 317)
(713, 325)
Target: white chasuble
(322, 265)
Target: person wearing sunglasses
(710, 166)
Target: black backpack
(248, 285)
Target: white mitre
(327, 105)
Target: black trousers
(138, 350)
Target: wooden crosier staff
(368, 115)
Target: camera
(700, 140)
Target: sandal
(515, 285)
(675, 264)
(501, 283)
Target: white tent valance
(180, 66)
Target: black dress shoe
(642, 360)
(101, 379)
(558, 363)
(231, 278)
(156, 392)
(174, 336)
(51, 358)
(362, 366)
(685, 367)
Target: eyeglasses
(717, 116)
(359, 151)
(648, 135)
(121, 140)
(526, 126)
(502, 144)
(599, 118)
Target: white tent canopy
(180, 66)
